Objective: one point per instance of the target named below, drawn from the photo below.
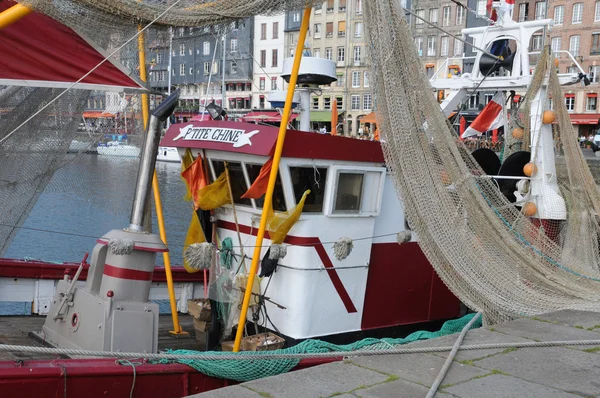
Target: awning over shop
(320, 116)
(265, 116)
(585, 118)
(97, 115)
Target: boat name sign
(237, 137)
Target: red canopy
(41, 52)
(265, 116)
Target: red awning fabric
(592, 95)
(516, 98)
(269, 117)
(41, 52)
(585, 118)
(569, 95)
(97, 115)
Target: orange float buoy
(556, 62)
(518, 133)
(529, 209)
(530, 169)
(445, 177)
(548, 117)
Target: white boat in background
(117, 148)
(81, 146)
(167, 154)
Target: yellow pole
(272, 177)
(13, 14)
(157, 202)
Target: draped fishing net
(488, 253)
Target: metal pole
(223, 99)
(169, 69)
(272, 177)
(208, 83)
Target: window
(460, 15)
(327, 103)
(329, 29)
(296, 17)
(275, 30)
(556, 45)
(540, 9)
(358, 7)
(317, 53)
(597, 12)
(237, 180)
(349, 192)
(182, 70)
(191, 72)
(191, 51)
(274, 58)
(261, 84)
(577, 13)
(182, 49)
(341, 81)
(261, 103)
(355, 79)
(304, 178)
(318, 8)
(481, 7)
(420, 17)
(570, 102)
(367, 102)
(317, 31)
(263, 58)
(341, 56)
(159, 58)
(356, 55)
(233, 68)
(419, 45)
(206, 68)
(594, 74)
(206, 48)
(273, 83)
(342, 5)
(358, 29)
(328, 53)
(430, 46)
(574, 45)
(536, 42)
(339, 102)
(365, 80)
(315, 103)
(173, 72)
(355, 104)
(595, 50)
(446, 16)
(329, 5)
(234, 45)
(263, 31)
(488, 98)
(444, 42)
(592, 102)
(523, 11)
(342, 29)
(181, 31)
(559, 15)
(433, 15)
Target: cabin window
(312, 178)
(278, 198)
(349, 192)
(236, 178)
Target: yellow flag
(186, 160)
(194, 235)
(214, 195)
(281, 223)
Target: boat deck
(15, 330)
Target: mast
(169, 69)
(223, 79)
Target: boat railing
(451, 68)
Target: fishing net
(251, 370)
(493, 257)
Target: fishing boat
(167, 154)
(305, 242)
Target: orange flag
(195, 178)
(259, 186)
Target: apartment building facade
(576, 28)
(268, 58)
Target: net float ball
(530, 169)
(518, 133)
(548, 117)
(556, 62)
(529, 209)
(446, 180)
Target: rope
(261, 355)
(125, 362)
(450, 359)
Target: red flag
(491, 117)
(194, 176)
(259, 186)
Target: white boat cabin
(380, 284)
